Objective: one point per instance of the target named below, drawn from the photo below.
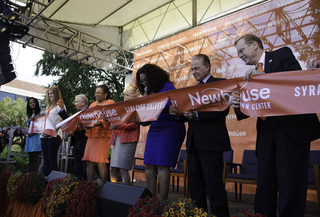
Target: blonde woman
(124, 139)
(49, 144)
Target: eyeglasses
(97, 93)
(240, 52)
(143, 80)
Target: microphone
(145, 91)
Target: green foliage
(22, 162)
(77, 78)
(4, 152)
(13, 113)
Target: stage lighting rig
(9, 30)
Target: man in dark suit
(283, 142)
(207, 138)
(79, 138)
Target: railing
(10, 144)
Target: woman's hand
(105, 118)
(42, 113)
(190, 115)
(173, 111)
(235, 99)
(60, 103)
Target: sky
(24, 61)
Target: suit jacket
(79, 134)
(208, 130)
(300, 128)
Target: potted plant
(83, 202)
(56, 194)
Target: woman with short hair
(97, 147)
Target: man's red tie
(201, 82)
(261, 69)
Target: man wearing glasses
(283, 142)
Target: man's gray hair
(83, 98)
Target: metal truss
(60, 39)
(79, 46)
(68, 42)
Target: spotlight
(2, 27)
(6, 68)
(6, 11)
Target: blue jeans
(50, 148)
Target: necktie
(261, 69)
(201, 82)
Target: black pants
(79, 166)
(50, 148)
(283, 168)
(33, 161)
(205, 179)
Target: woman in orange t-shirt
(97, 147)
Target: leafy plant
(155, 207)
(22, 162)
(13, 112)
(4, 178)
(12, 185)
(55, 196)
(4, 153)
(248, 213)
(83, 201)
(31, 187)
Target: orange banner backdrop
(283, 93)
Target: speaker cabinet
(114, 199)
(55, 175)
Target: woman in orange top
(97, 147)
(124, 140)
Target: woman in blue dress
(165, 135)
(33, 142)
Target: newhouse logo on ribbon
(283, 93)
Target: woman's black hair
(15, 133)
(156, 77)
(105, 90)
(37, 108)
